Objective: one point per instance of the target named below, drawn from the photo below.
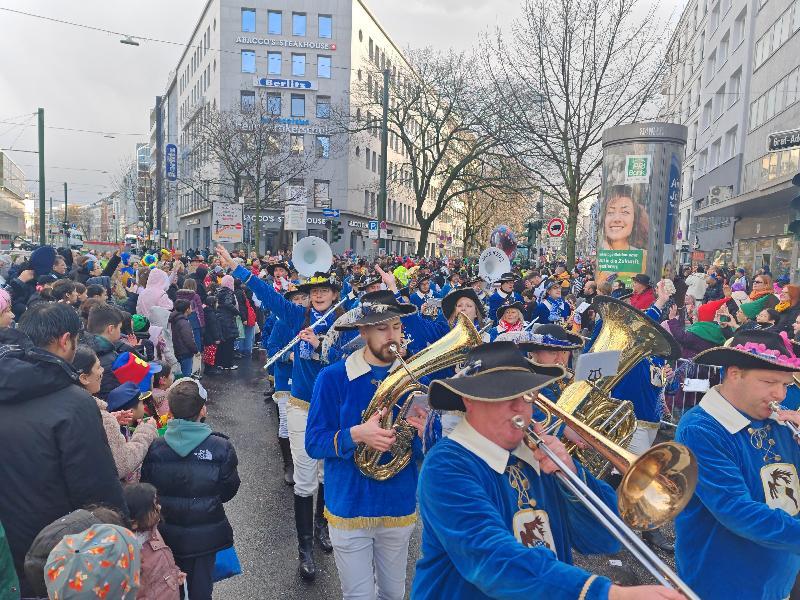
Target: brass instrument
(400, 383)
(636, 336)
(775, 406)
(655, 487)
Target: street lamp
(129, 41)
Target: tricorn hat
(506, 277)
(504, 307)
(378, 307)
(499, 373)
(551, 337)
(271, 268)
(319, 280)
(753, 349)
(450, 300)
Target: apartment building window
(705, 120)
(702, 159)
(298, 64)
(322, 193)
(374, 162)
(247, 100)
(324, 67)
(323, 146)
(724, 45)
(726, 6)
(692, 137)
(779, 97)
(739, 28)
(781, 30)
(323, 107)
(249, 20)
(297, 146)
(713, 154)
(275, 22)
(298, 105)
(274, 104)
(274, 63)
(248, 61)
(296, 190)
(325, 26)
(712, 64)
(719, 102)
(371, 48)
(734, 85)
(713, 20)
(298, 23)
(730, 144)
(366, 154)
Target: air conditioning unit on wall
(720, 193)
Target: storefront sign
(782, 140)
(171, 153)
(295, 216)
(358, 224)
(257, 41)
(295, 84)
(279, 219)
(227, 222)
(301, 129)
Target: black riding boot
(288, 465)
(656, 539)
(321, 524)
(304, 521)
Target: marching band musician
(306, 365)
(496, 522)
(552, 308)
(508, 318)
(423, 292)
(503, 293)
(453, 283)
(370, 521)
(744, 513)
(478, 285)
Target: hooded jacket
(182, 336)
(227, 311)
(197, 304)
(200, 277)
(56, 456)
(160, 330)
(154, 294)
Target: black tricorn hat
(753, 349)
(504, 307)
(368, 280)
(505, 277)
(551, 337)
(292, 293)
(500, 373)
(319, 280)
(378, 307)
(450, 300)
(271, 268)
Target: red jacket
(644, 300)
(159, 575)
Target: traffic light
(794, 224)
(337, 231)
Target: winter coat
(787, 319)
(191, 491)
(154, 294)
(128, 454)
(159, 574)
(182, 336)
(211, 332)
(227, 311)
(21, 295)
(9, 582)
(55, 454)
(82, 275)
(159, 322)
(696, 285)
(107, 354)
(196, 303)
(200, 277)
(644, 300)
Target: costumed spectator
(194, 471)
(762, 288)
(101, 559)
(154, 293)
(702, 335)
(160, 577)
(747, 316)
(553, 308)
(643, 293)
(161, 383)
(182, 337)
(788, 308)
(56, 457)
(104, 328)
(227, 311)
(128, 453)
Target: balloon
(502, 237)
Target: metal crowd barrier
(685, 388)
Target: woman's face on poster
(619, 219)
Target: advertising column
(639, 199)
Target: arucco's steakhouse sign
(257, 41)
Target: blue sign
(297, 84)
(331, 213)
(171, 153)
(285, 121)
(373, 226)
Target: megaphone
(312, 254)
(492, 263)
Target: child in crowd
(211, 335)
(195, 473)
(161, 383)
(182, 336)
(160, 577)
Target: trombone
(655, 487)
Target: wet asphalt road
(262, 514)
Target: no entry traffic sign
(555, 227)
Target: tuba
(312, 254)
(637, 337)
(400, 383)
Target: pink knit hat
(5, 300)
(227, 281)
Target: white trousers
(281, 399)
(308, 471)
(372, 561)
(643, 438)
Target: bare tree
(443, 125)
(252, 155)
(569, 70)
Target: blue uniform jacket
(730, 543)
(469, 550)
(497, 299)
(353, 500)
(278, 338)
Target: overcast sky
(88, 80)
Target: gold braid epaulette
(368, 522)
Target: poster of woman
(625, 221)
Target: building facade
(12, 201)
(302, 57)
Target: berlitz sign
(257, 41)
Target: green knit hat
(751, 309)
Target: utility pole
(50, 222)
(382, 201)
(66, 219)
(159, 167)
(42, 237)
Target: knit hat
(5, 300)
(227, 281)
(751, 309)
(140, 323)
(42, 259)
(707, 311)
(100, 562)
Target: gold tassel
(368, 522)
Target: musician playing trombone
(306, 365)
(496, 521)
(370, 521)
(743, 517)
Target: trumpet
(792, 427)
(655, 487)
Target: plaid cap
(100, 562)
